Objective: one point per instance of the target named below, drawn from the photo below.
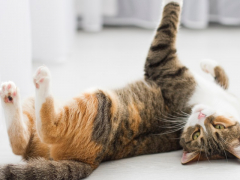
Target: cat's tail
(45, 169)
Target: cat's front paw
(9, 92)
(165, 2)
(42, 78)
(208, 66)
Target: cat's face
(210, 134)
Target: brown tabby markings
(49, 170)
(162, 65)
(108, 125)
(134, 117)
(213, 144)
(220, 77)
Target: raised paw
(180, 2)
(9, 92)
(42, 77)
(208, 66)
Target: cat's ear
(235, 151)
(189, 157)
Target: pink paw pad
(9, 98)
(39, 71)
(41, 80)
(14, 93)
(41, 77)
(8, 92)
(9, 86)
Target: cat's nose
(201, 115)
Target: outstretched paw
(208, 66)
(9, 92)
(42, 77)
(180, 2)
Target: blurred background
(104, 43)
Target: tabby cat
(71, 141)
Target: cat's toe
(208, 66)
(41, 76)
(9, 92)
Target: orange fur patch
(224, 121)
(18, 135)
(74, 126)
(134, 117)
(35, 147)
(114, 111)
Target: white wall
(53, 27)
(15, 57)
(15, 44)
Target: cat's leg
(50, 126)
(163, 66)
(148, 144)
(165, 2)
(17, 123)
(212, 67)
(80, 129)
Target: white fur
(208, 66)
(12, 111)
(165, 2)
(214, 99)
(42, 80)
(193, 119)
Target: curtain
(198, 13)
(146, 13)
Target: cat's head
(210, 134)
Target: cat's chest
(211, 94)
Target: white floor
(115, 57)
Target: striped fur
(220, 77)
(107, 125)
(39, 169)
(163, 66)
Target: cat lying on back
(71, 141)
(212, 131)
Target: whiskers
(173, 122)
(220, 143)
(224, 143)
(200, 154)
(206, 153)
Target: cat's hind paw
(9, 92)
(208, 66)
(42, 78)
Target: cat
(100, 125)
(212, 130)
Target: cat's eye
(219, 126)
(196, 135)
